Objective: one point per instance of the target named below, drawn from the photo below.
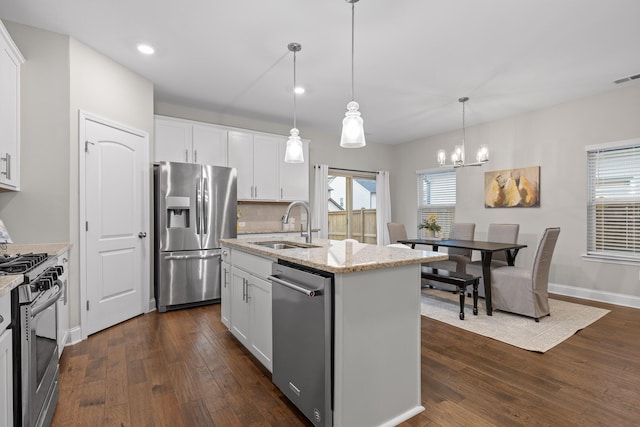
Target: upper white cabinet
(294, 177)
(256, 156)
(263, 174)
(10, 61)
(185, 141)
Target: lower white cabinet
(6, 363)
(248, 303)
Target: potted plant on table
(430, 225)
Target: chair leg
(461, 293)
(475, 297)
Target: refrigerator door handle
(205, 207)
(198, 204)
(183, 257)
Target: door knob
(142, 234)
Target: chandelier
(458, 155)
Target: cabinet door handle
(256, 192)
(246, 300)
(186, 156)
(244, 289)
(281, 197)
(195, 156)
(226, 277)
(7, 169)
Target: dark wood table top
(476, 245)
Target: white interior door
(116, 180)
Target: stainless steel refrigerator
(195, 206)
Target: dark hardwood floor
(183, 368)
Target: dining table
(486, 249)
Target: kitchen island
(376, 323)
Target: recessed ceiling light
(146, 49)
(299, 90)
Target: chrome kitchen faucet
(285, 218)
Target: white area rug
(566, 319)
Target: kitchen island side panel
(377, 347)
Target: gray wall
(554, 139)
(39, 213)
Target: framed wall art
(512, 188)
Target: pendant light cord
(353, 13)
(294, 89)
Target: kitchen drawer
(254, 264)
(5, 311)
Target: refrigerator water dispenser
(178, 212)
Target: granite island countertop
(338, 256)
(10, 281)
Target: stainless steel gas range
(35, 341)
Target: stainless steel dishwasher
(302, 339)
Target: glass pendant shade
(352, 128)
(442, 157)
(294, 153)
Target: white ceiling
(413, 58)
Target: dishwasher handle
(307, 292)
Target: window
(613, 211)
(437, 195)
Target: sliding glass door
(352, 206)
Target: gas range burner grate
(21, 263)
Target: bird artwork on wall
(512, 188)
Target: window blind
(437, 195)
(613, 212)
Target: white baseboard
(595, 295)
(152, 305)
(73, 336)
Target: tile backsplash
(267, 217)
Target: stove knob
(59, 269)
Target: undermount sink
(281, 244)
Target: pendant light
(458, 155)
(352, 124)
(294, 152)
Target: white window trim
(607, 257)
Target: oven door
(40, 358)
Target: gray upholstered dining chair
(397, 231)
(503, 233)
(458, 258)
(524, 291)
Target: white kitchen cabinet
(178, 140)
(239, 305)
(63, 303)
(249, 303)
(6, 363)
(10, 61)
(294, 177)
(225, 294)
(256, 157)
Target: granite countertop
(338, 256)
(10, 281)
